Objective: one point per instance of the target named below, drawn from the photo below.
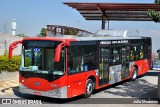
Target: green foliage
(43, 32)
(157, 1)
(7, 64)
(21, 35)
(154, 14)
(5, 53)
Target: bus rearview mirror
(13, 46)
(58, 54)
(59, 50)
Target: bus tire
(134, 73)
(89, 88)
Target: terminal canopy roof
(114, 11)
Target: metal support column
(103, 21)
(108, 24)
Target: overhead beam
(99, 18)
(116, 15)
(110, 17)
(114, 11)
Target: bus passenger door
(76, 73)
(125, 61)
(104, 60)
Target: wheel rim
(89, 88)
(134, 74)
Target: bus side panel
(140, 65)
(143, 66)
(147, 64)
(77, 83)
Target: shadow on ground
(155, 73)
(135, 89)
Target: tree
(43, 32)
(21, 35)
(154, 14)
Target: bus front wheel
(89, 88)
(134, 73)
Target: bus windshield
(38, 56)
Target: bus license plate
(36, 93)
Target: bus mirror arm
(59, 50)
(13, 46)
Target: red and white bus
(64, 67)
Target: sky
(32, 15)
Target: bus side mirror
(59, 50)
(13, 46)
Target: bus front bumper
(56, 93)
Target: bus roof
(51, 38)
(99, 35)
(72, 39)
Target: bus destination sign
(113, 42)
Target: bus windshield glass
(38, 56)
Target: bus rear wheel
(89, 88)
(134, 73)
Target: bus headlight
(22, 86)
(58, 91)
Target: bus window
(81, 58)
(115, 55)
(28, 57)
(123, 52)
(75, 59)
(136, 52)
(103, 61)
(141, 54)
(147, 51)
(38, 56)
(132, 53)
(127, 53)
